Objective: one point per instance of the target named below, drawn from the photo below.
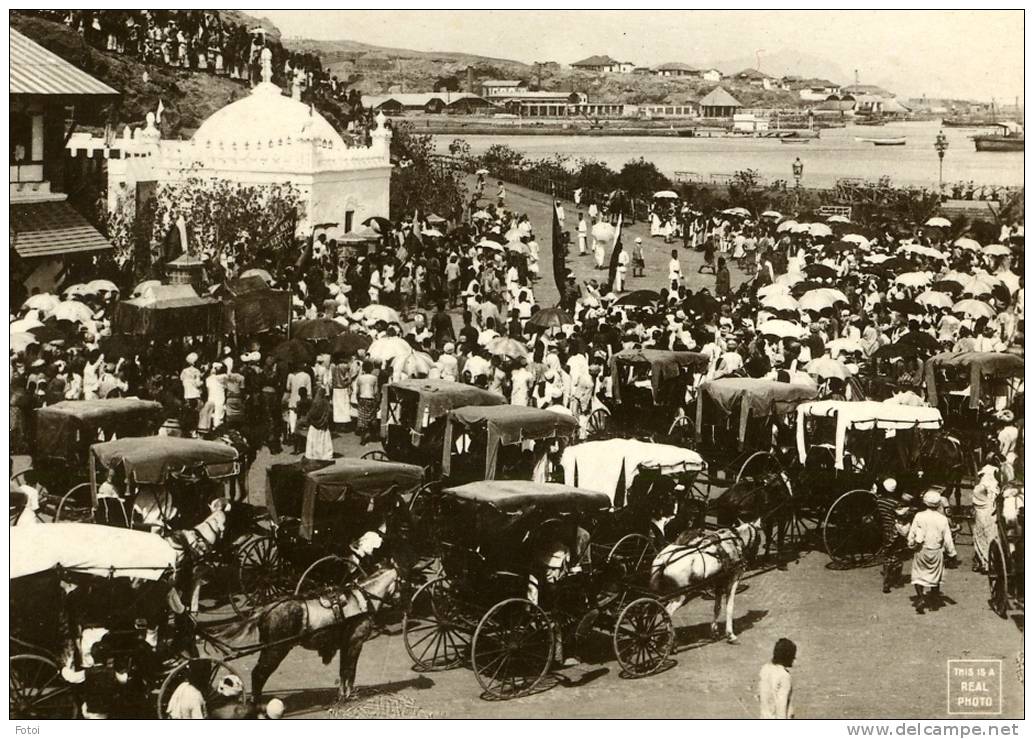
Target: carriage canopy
(295, 489)
(91, 549)
(611, 466)
(981, 365)
(520, 496)
(504, 425)
(863, 415)
(664, 365)
(65, 429)
(415, 404)
(148, 460)
(751, 397)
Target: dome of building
(266, 115)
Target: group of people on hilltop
(204, 41)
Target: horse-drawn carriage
(63, 435)
(846, 448)
(653, 490)
(329, 520)
(413, 416)
(968, 387)
(650, 389)
(521, 589)
(504, 442)
(1005, 565)
(93, 630)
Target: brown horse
(334, 622)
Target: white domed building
(265, 138)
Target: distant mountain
(788, 61)
(348, 49)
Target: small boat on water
(794, 140)
(895, 141)
(1009, 139)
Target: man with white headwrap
(929, 538)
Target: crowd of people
(205, 41)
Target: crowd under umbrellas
(851, 312)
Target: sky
(964, 54)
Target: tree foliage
(226, 218)
(641, 178)
(419, 181)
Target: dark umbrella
(703, 302)
(921, 340)
(952, 287)
(550, 317)
(842, 246)
(55, 330)
(496, 237)
(317, 328)
(802, 287)
(347, 343)
(639, 297)
(295, 350)
(908, 307)
(1001, 292)
(118, 346)
(899, 349)
(378, 224)
(821, 271)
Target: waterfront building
(47, 95)
(494, 89)
(427, 102)
(265, 138)
(719, 104)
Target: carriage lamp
(941, 145)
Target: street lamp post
(798, 173)
(941, 145)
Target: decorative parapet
(280, 155)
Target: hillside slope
(187, 97)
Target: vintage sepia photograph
(518, 364)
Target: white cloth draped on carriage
(602, 465)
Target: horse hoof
(732, 640)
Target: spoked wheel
(38, 691)
(597, 424)
(262, 575)
(328, 573)
(998, 579)
(757, 465)
(682, 430)
(205, 674)
(851, 530)
(629, 559)
(76, 505)
(644, 637)
(512, 649)
(435, 635)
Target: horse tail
(247, 627)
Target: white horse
(193, 548)
(718, 557)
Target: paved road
(862, 654)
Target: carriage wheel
(644, 637)
(512, 649)
(38, 691)
(262, 575)
(328, 573)
(377, 456)
(205, 674)
(421, 535)
(435, 635)
(757, 464)
(851, 531)
(597, 424)
(630, 557)
(682, 431)
(998, 579)
(76, 505)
